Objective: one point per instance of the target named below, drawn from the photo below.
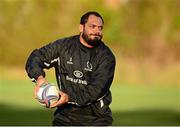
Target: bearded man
(84, 68)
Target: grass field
(132, 105)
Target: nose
(98, 31)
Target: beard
(93, 42)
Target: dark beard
(96, 41)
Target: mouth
(95, 35)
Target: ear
(80, 28)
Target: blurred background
(144, 35)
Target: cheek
(88, 32)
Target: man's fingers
(55, 104)
(63, 99)
(41, 80)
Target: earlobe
(80, 28)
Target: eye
(100, 27)
(92, 26)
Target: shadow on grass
(147, 117)
(17, 116)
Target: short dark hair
(85, 17)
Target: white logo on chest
(70, 61)
(78, 74)
(88, 66)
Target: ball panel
(48, 94)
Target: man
(84, 68)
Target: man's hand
(64, 98)
(39, 82)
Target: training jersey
(85, 74)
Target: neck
(83, 42)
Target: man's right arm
(38, 60)
(42, 58)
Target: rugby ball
(48, 94)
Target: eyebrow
(96, 25)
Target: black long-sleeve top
(85, 74)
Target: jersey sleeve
(42, 58)
(99, 84)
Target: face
(92, 31)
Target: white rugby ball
(48, 94)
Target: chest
(78, 64)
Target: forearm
(34, 65)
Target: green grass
(132, 105)
(146, 105)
